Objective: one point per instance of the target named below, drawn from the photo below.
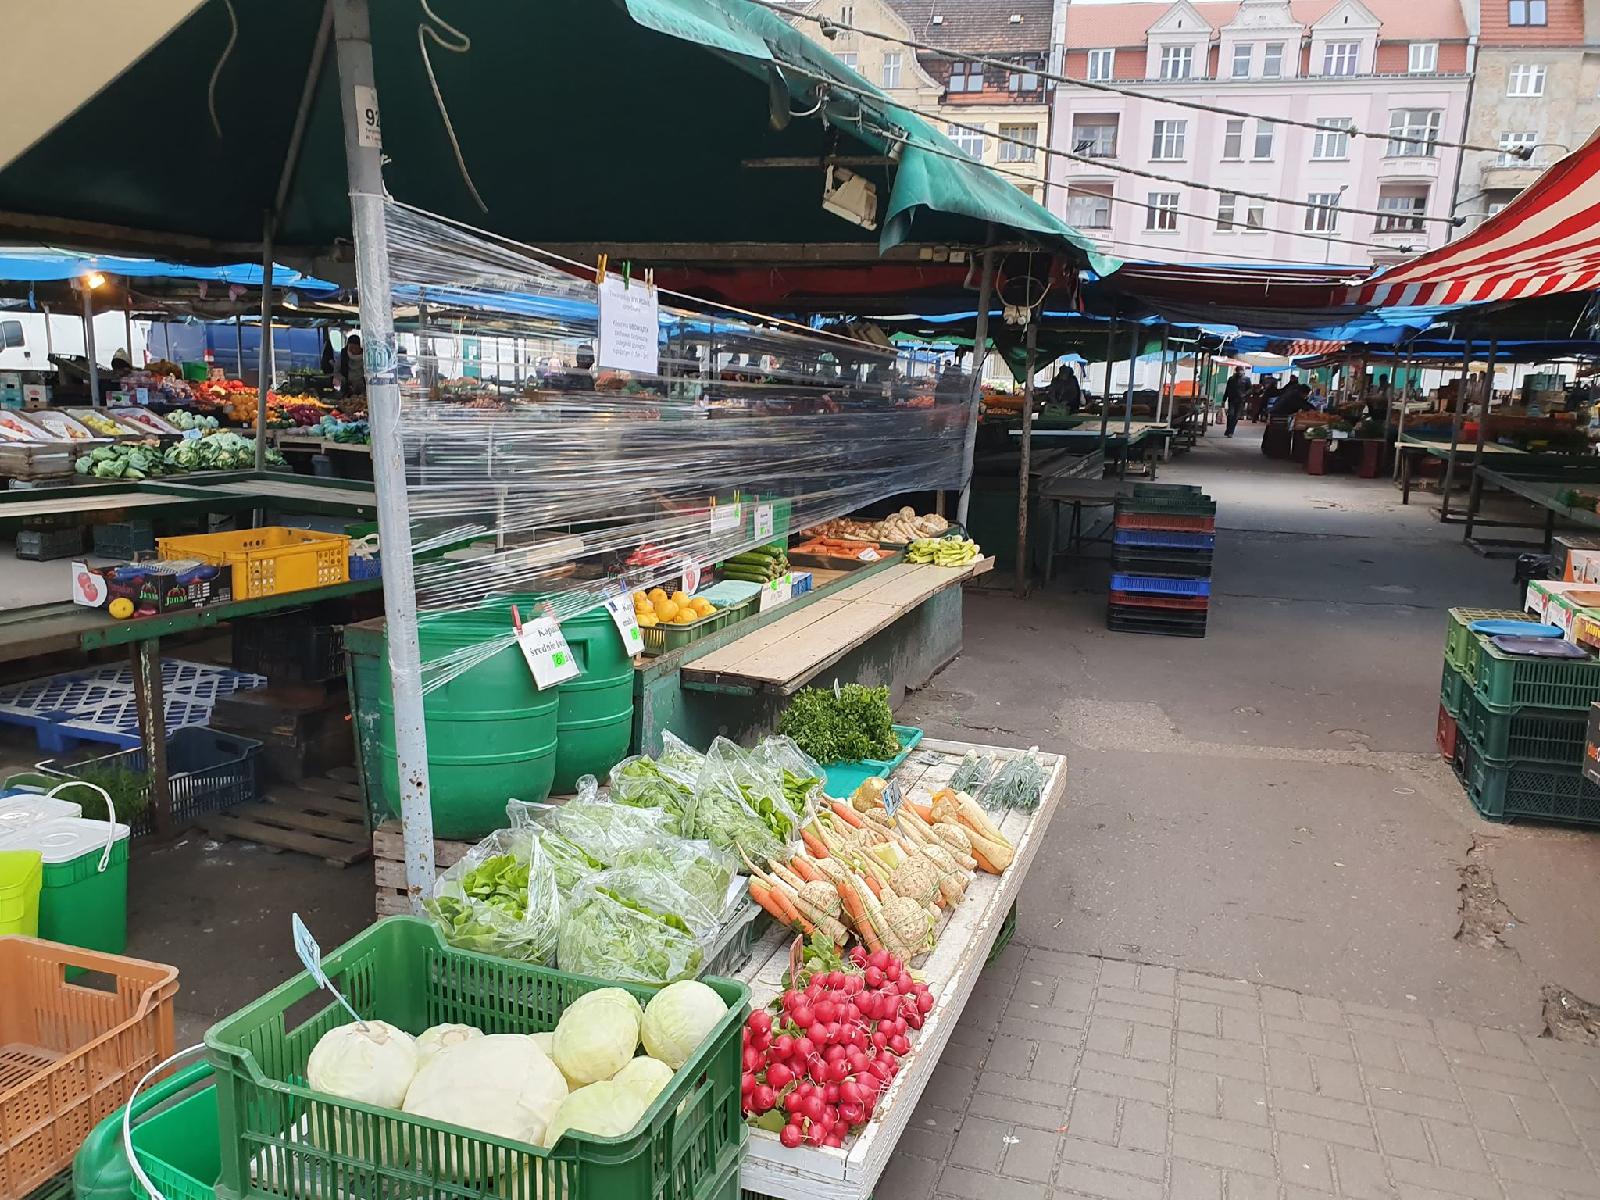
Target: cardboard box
(1591, 746)
(35, 395)
(154, 588)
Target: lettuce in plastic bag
(607, 932)
(501, 898)
(598, 828)
(702, 870)
(739, 804)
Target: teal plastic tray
(841, 779)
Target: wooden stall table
(966, 935)
(1410, 447)
(1543, 482)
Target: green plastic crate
(401, 971)
(1505, 682)
(664, 638)
(1528, 735)
(1161, 504)
(1458, 636)
(1453, 689)
(1008, 930)
(1532, 791)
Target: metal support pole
(980, 351)
(364, 158)
(1455, 427)
(151, 707)
(127, 322)
(1488, 399)
(88, 347)
(264, 371)
(1400, 421)
(1105, 392)
(1127, 403)
(49, 334)
(1161, 371)
(238, 349)
(1022, 466)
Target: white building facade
(1397, 68)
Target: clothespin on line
(600, 269)
(627, 273)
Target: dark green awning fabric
(580, 121)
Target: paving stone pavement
(1073, 1076)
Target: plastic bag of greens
(640, 782)
(597, 827)
(704, 871)
(740, 807)
(1017, 783)
(500, 898)
(801, 776)
(621, 925)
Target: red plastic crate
(1171, 522)
(1445, 735)
(1145, 600)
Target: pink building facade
(1397, 68)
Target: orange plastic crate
(70, 1052)
(268, 561)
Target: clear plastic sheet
(739, 803)
(598, 828)
(631, 925)
(500, 898)
(532, 472)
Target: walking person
(1233, 396)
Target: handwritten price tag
(776, 593)
(549, 657)
(620, 607)
(310, 955)
(727, 516)
(763, 523)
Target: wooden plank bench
(788, 653)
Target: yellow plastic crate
(268, 561)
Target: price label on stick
(763, 523)
(620, 607)
(893, 796)
(543, 645)
(310, 955)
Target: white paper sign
(369, 130)
(88, 588)
(545, 647)
(726, 517)
(893, 796)
(776, 593)
(620, 607)
(763, 523)
(629, 327)
(192, 435)
(310, 955)
(691, 576)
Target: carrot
(858, 917)
(763, 896)
(814, 846)
(983, 862)
(925, 811)
(877, 888)
(804, 869)
(795, 918)
(845, 813)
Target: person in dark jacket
(1065, 389)
(1234, 395)
(1295, 397)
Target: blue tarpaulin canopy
(44, 264)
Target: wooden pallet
(389, 866)
(324, 817)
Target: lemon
(647, 620)
(666, 610)
(121, 608)
(680, 598)
(655, 595)
(702, 606)
(686, 616)
(640, 599)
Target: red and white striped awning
(1545, 241)
(1305, 347)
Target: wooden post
(152, 710)
(1455, 426)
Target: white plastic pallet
(964, 942)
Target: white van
(27, 339)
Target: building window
(1233, 139)
(1017, 142)
(1177, 62)
(1495, 206)
(1162, 214)
(1402, 212)
(1225, 210)
(1102, 63)
(1167, 143)
(1272, 60)
(1265, 131)
(1525, 80)
(847, 57)
(1089, 208)
(1241, 60)
(1339, 58)
(1332, 138)
(847, 14)
(1423, 58)
(1240, 212)
(891, 69)
(965, 76)
(1095, 137)
(1323, 215)
(1413, 131)
(1512, 141)
(968, 139)
(1025, 78)
(1525, 12)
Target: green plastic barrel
(594, 715)
(80, 904)
(491, 733)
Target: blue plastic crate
(799, 583)
(1161, 585)
(841, 779)
(365, 566)
(1169, 540)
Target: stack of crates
(1513, 728)
(1163, 537)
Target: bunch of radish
(818, 1062)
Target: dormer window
(1177, 62)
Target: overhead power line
(827, 23)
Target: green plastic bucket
(594, 712)
(491, 733)
(83, 894)
(20, 878)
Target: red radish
(852, 1114)
(804, 1048)
(815, 1135)
(790, 1136)
(779, 1076)
(747, 1083)
(830, 1094)
(782, 1046)
(792, 1103)
(924, 1001)
(892, 971)
(752, 1059)
(834, 1140)
(760, 1021)
(880, 959)
(899, 1045)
